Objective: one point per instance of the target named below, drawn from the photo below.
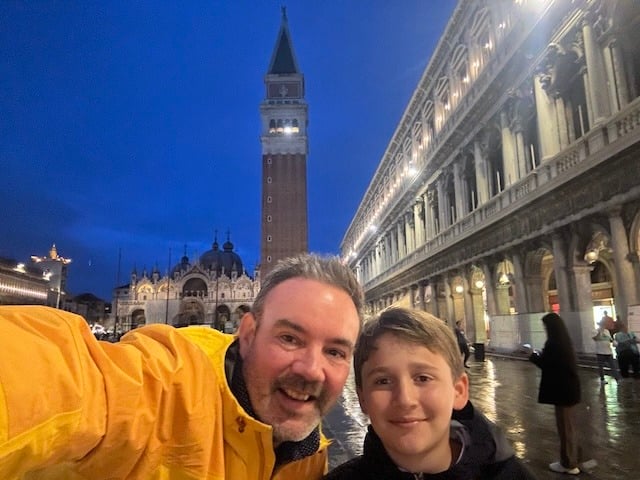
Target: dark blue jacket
(488, 456)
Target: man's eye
(423, 378)
(286, 338)
(336, 353)
(381, 381)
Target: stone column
(482, 182)
(418, 221)
(519, 287)
(597, 74)
(421, 304)
(626, 294)
(509, 154)
(458, 187)
(489, 285)
(619, 86)
(442, 205)
(560, 270)
(429, 218)
(400, 235)
(393, 238)
(410, 231)
(547, 122)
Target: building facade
(43, 281)
(283, 114)
(214, 290)
(510, 186)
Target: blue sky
(131, 129)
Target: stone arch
(191, 313)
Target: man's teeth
(296, 395)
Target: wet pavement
(506, 390)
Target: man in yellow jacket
(181, 404)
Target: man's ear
(246, 332)
(461, 395)
(361, 400)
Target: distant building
(39, 282)
(284, 141)
(93, 309)
(510, 185)
(22, 284)
(214, 290)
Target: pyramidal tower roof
(283, 59)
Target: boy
(409, 379)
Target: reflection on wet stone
(506, 390)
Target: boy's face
(409, 394)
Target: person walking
(604, 354)
(560, 387)
(626, 344)
(463, 343)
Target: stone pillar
(620, 88)
(547, 121)
(519, 287)
(534, 291)
(626, 294)
(482, 182)
(489, 285)
(429, 217)
(418, 221)
(393, 239)
(400, 237)
(478, 332)
(421, 304)
(520, 151)
(503, 302)
(409, 228)
(560, 270)
(458, 187)
(509, 155)
(598, 92)
(442, 205)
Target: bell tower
(284, 155)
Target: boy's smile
(409, 393)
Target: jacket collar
(286, 451)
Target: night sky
(131, 129)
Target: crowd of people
(195, 403)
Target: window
(269, 180)
(269, 199)
(269, 218)
(269, 238)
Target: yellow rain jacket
(154, 406)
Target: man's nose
(310, 364)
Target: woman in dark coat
(560, 386)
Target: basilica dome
(222, 261)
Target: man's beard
(288, 426)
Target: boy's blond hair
(413, 326)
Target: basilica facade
(213, 290)
(510, 186)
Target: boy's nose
(405, 392)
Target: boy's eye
(381, 381)
(422, 378)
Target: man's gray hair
(325, 269)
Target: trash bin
(478, 353)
